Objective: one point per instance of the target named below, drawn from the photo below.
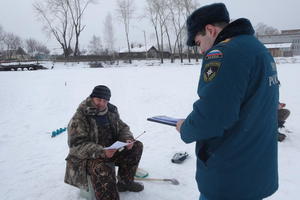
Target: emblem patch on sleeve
(210, 71)
(214, 54)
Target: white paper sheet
(117, 145)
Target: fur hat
(102, 92)
(209, 14)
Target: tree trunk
(128, 45)
(157, 39)
(188, 54)
(76, 47)
(196, 54)
(162, 46)
(169, 41)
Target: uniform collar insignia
(225, 41)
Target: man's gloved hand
(110, 152)
(129, 146)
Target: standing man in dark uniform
(95, 125)
(234, 121)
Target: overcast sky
(17, 16)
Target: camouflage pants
(103, 175)
(283, 114)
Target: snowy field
(34, 103)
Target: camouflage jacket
(85, 139)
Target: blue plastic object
(58, 131)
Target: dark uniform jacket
(88, 133)
(234, 121)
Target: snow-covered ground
(34, 103)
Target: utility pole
(146, 49)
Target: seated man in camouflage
(95, 125)
(283, 114)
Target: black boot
(281, 137)
(281, 124)
(131, 187)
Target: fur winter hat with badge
(209, 14)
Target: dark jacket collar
(240, 26)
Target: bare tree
(1, 30)
(167, 17)
(158, 14)
(2, 34)
(95, 47)
(163, 17)
(34, 47)
(179, 11)
(109, 37)
(189, 6)
(77, 9)
(167, 27)
(125, 10)
(177, 22)
(41, 48)
(263, 29)
(152, 14)
(12, 42)
(56, 17)
(31, 45)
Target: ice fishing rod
(140, 135)
(121, 149)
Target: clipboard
(163, 119)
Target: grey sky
(17, 16)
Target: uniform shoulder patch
(213, 54)
(210, 70)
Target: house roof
(278, 45)
(136, 49)
(290, 31)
